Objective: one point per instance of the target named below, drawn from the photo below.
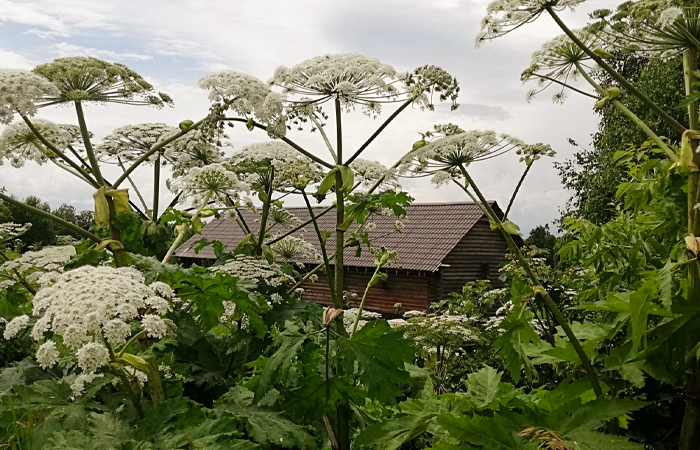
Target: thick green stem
(534, 279)
(515, 192)
(156, 185)
(322, 244)
(62, 155)
(340, 214)
(630, 115)
(344, 413)
(94, 165)
(690, 430)
(265, 212)
(71, 226)
(379, 130)
(116, 235)
(629, 87)
(362, 302)
(135, 398)
(131, 341)
(181, 234)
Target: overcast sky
(173, 43)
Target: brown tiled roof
(430, 232)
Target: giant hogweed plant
(108, 341)
(643, 265)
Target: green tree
(591, 174)
(43, 231)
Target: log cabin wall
(414, 290)
(478, 256)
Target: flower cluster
(21, 91)
(11, 230)
(257, 270)
(294, 249)
(19, 144)
(91, 308)
(350, 78)
(369, 172)
(253, 163)
(212, 182)
(90, 79)
(349, 316)
(559, 61)
(130, 142)
(532, 153)
(47, 259)
(426, 81)
(504, 16)
(656, 28)
(444, 157)
(247, 96)
(190, 151)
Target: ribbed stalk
(690, 430)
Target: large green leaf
(288, 344)
(392, 434)
(380, 354)
(483, 386)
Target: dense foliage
(111, 343)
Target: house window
(485, 271)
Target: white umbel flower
(116, 331)
(78, 385)
(92, 356)
(213, 181)
(16, 325)
(19, 144)
(20, 91)
(504, 16)
(47, 355)
(350, 77)
(154, 326)
(253, 269)
(369, 172)
(48, 259)
(89, 300)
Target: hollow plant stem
(362, 302)
(690, 429)
(181, 233)
(629, 87)
(85, 134)
(340, 212)
(630, 115)
(322, 244)
(515, 192)
(534, 279)
(265, 211)
(156, 185)
(71, 226)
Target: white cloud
(176, 41)
(13, 60)
(63, 49)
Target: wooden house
(440, 248)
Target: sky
(174, 43)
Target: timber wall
(478, 256)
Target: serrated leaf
(288, 344)
(380, 354)
(483, 386)
(393, 433)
